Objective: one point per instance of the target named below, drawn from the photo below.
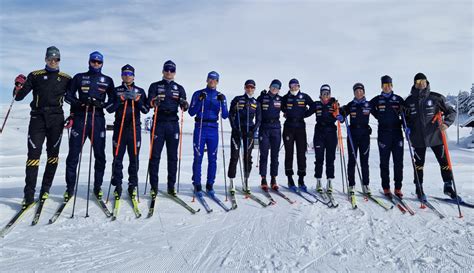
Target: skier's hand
(137, 97)
(340, 118)
(263, 92)
(407, 131)
(443, 127)
(202, 96)
(96, 102)
(69, 122)
(183, 104)
(155, 102)
(220, 97)
(19, 82)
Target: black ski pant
(361, 144)
(325, 143)
(420, 153)
(126, 143)
(391, 142)
(49, 126)
(248, 142)
(292, 136)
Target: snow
(283, 237)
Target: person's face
(169, 74)
(421, 84)
(294, 87)
(211, 83)
(325, 95)
(53, 62)
(249, 89)
(359, 93)
(274, 90)
(387, 87)
(128, 78)
(95, 64)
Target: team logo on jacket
(429, 103)
(102, 79)
(300, 96)
(45, 77)
(394, 98)
(366, 104)
(175, 87)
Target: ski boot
(98, 193)
(171, 191)
(319, 188)
(232, 189)
(118, 189)
(449, 191)
(398, 192)
(420, 193)
(210, 189)
(301, 184)
(387, 193)
(291, 183)
(329, 186)
(351, 190)
(366, 190)
(264, 184)
(273, 183)
(67, 196)
(153, 193)
(198, 190)
(27, 201)
(132, 192)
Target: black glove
(202, 96)
(220, 97)
(264, 92)
(155, 102)
(184, 104)
(95, 102)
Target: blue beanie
(96, 56)
(169, 66)
(293, 81)
(213, 75)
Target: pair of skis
(299, 191)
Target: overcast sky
(335, 42)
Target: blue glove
(340, 118)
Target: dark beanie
(358, 86)
(276, 83)
(169, 66)
(249, 82)
(52, 52)
(386, 79)
(128, 68)
(293, 81)
(419, 76)
(325, 87)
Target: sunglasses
(387, 85)
(250, 86)
(325, 93)
(57, 60)
(169, 70)
(420, 81)
(294, 85)
(96, 62)
(128, 73)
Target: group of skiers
(92, 92)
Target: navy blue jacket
(294, 108)
(247, 109)
(169, 93)
(325, 118)
(386, 109)
(271, 108)
(359, 112)
(140, 106)
(212, 107)
(90, 84)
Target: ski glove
(202, 96)
(69, 122)
(19, 81)
(184, 104)
(155, 102)
(220, 97)
(95, 102)
(340, 118)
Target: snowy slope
(284, 237)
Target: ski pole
(223, 151)
(90, 160)
(180, 146)
(117, 148)
(349, 136)
(135, 147)
(200, 134)
(76, 184)
(241, 143)
(8, 113)
(407, 136)
(246, 151)
(439, 119)
(151, 146)
(341, 150)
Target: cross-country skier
(294, 106)
(325, 136)
(386, 109)
(166, 96)
(269, 133)
(89, 90)
(421, 107)
(123, 136)
(46, 120)
(244, 116)
(359, 110)
(206, 105)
